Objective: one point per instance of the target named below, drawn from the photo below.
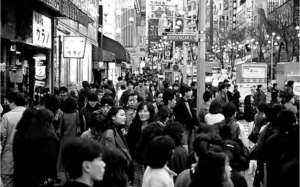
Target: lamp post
(119, 13)
(298, 31)
(119, 30)
(271, 42)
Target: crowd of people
(141, 133)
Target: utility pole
(185, 45)
(201, 53)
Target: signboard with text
(182, 37)
(41, 30)
(74, 46)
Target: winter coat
(70, 126)
(259, 97)
(8, 130)
(249, 110)
(182, 114)
(87, 113)
(223, 98)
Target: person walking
(259, 96)
(141, 89)
(222, 96)
(10, 120)
(183, 112)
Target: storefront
(26, 45)
(113, 69)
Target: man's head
(236, 87)
(186, 91)
(229, 110)
(169, 98)
(259, 87)
(83, 159)
(194, 85)
(106, 104)
(15, 99)
(141, 83)
(92, 99)
(63, 92)
(164, 145)
(275, 85)
(290, 83)
(175, 87)
(85, 84)
(166, 85)
(133, 100)
(120, 79)
(130, 85)
(105, 80)
(223, 88)
(207, 97)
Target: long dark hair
(210, 171)
(115, 174)
(25, 121)
(150, 108)
(148, 133)
(41, 126)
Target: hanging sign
(40, 72)
(74, 46)
(41, 30)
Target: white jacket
(8, 130)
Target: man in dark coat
(185, 114)
(259, 96)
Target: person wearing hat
(274, 94)
(259, 96)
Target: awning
(99, 54)
(114, 47)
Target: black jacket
(182, 114)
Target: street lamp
(119, 30)
(272, 42)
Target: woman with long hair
(115, 174)
(145, 114)
(213, 171)
(19, 147)
(113, 136)
(153, 130)
(41, 151)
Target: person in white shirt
(215, 113)
(160, 151)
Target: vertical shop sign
(41, 30)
